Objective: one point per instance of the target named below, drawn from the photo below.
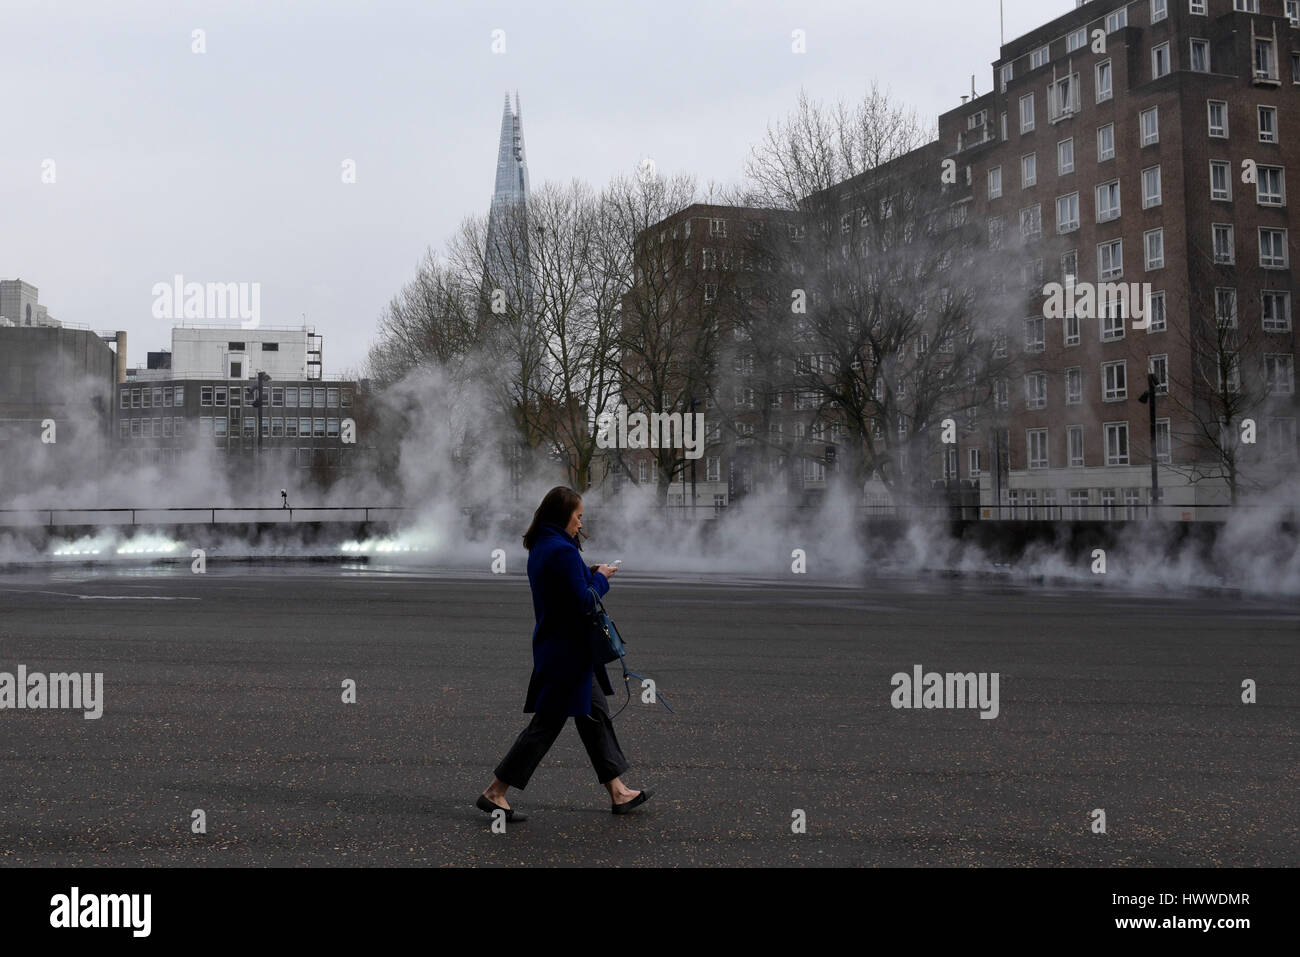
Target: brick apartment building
(1111, 150)
(1126, 166)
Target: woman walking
(566, 681)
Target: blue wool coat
(562, 660)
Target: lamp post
(1148, 398)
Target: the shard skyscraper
(506, 264)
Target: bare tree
(888, 334)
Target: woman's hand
(606, 570)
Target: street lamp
(1148, 398)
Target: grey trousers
(595, 728)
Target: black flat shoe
(512, 816)
(635, 802)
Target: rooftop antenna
(1002, 23)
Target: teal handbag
(606, 643)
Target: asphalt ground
(223, 692)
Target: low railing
(229, 515)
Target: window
(1036, 390)
(304, 427)
(1265, 61)
(1071, 326)
(1281, 438)
(1272, 248)
(1074, 435)
(318, 428)
(1218, 119)
(1039, 57)
(333, 397)
(1150, 125)
(1073, 385)
(1108, 205)
(1160, 60)
(1007, 73)
(1246, 6)
(1268, 124)
(1295, 67)
(1070, 266)
(1275, 311)
(1004, 129)
(1063, 97)
(710, 291)
(277, 427)
(1114, 377)
(1112, 320)
(1199, 7)
(1065, 156)
(1159, 10)
(1116, 445)
(1229, 367)
(1156, 318)
(236, 370)
(270, 347)
(180, 395)
(1201, 56)
(1151, 187)
(205, 395)
(1034, 334)
(1162, 441)
(1031, 221)
(1076, 40)
(1154, 241)
(1028, 170)
(220, 426)
(1000, 397)
(1027, 113)
(125, 399)
(277, 396)
(1067, 213)
(1225, 307)
(1220, 181)
(1037, 448)
(995, 232)
(1224, 244)
(717, 227)
(1117, 20)
(1270, 188)
(1105, 86)
(1159, 367)
(1106, 143)
(345, 397)
(1110, 260)
(145, 401)
(291, 428)
(995, 182)
(973, 463)
(332, 428)
(157, 398)
(1293, 12)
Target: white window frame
(1202, 44)
(1225, 168)
(1112, 249)
(1151, 198)
(1102, 155)
(1160, 57)
(1072, 445)
(1280, 320)
(1027, 100)
(1067, 219)
(1231, 247)
(1155, 259)
(1118, 458)
(1272, 262)
(1149, 138)
(1161, 324)
(1038, 448)
(1275, 198)
(995, 173)
(1035, 391)
(1109, 203)
(1224, 130)
(1269, 136)
(1029, 166)
(1061, 167)
(1074, 385)
(1114, 381)
(1104, 78)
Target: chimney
(121, 356)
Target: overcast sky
(226, 165)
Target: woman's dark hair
(556, 509)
